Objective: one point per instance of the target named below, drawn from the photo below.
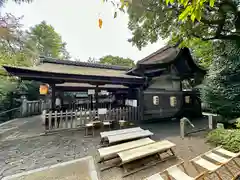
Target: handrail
(3, 112)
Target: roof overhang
(56, 78)
(86, 86)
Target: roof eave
(50, 76)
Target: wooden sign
(91, 91)
(43, 89)
(102, 111)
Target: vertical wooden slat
(91, 115)
(133, 113)
(112, 114)
(55, 120)
(61, 120)
(84, 117)
(66, 119)
(50, 120)
(120, 112)
(75, 119)
(116, 113)
(115, 110)
(44, 118)
(71, 118)
(81, 117)
(127, 113)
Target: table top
(94, 122)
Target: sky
(77, 22)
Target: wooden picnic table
(111, 152)
(144, 151)
(128, 136)
(121, 131)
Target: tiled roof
(58, 68)
(83, 64)
(164, 55)
(90, 86)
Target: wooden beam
(96, 97)
(53, 96)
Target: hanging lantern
(100, 22)
(43, 89)
(173, 101)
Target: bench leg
(219, 177)
(173, 153)
(184, 169)
(230, 172)
(236, 163)
(168, 176)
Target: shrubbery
(229, 139)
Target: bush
(229, 139)
(222, 84)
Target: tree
(151, 20)
(64, 53)
(2, 2)
(203, 52)
(48, 42)
(92, 60)
(115, 60)
(222, 86)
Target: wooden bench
(155, 177)
(156, 148)
(177, 172)
(122, 131)
(128, 136)
(218, 157)
(111, 152)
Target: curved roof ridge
(161, 50)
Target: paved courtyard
(22, 148)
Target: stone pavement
(80, 169)
(22, 149)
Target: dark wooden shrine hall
(167, 73)
(81, 75)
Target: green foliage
(115, 60)
(229, 139)
(152, 20)
(222, 84)
(21, 48)
(238, 123)
(48, 42)
(203, 52)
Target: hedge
(229, 139)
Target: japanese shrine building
(158, 82)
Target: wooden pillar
(91, 101)
(140, 103)
(53, 96)
(96, 97)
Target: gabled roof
(163, 58)
(164, 55)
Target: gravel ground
(26, 150)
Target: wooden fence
(76, 119)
